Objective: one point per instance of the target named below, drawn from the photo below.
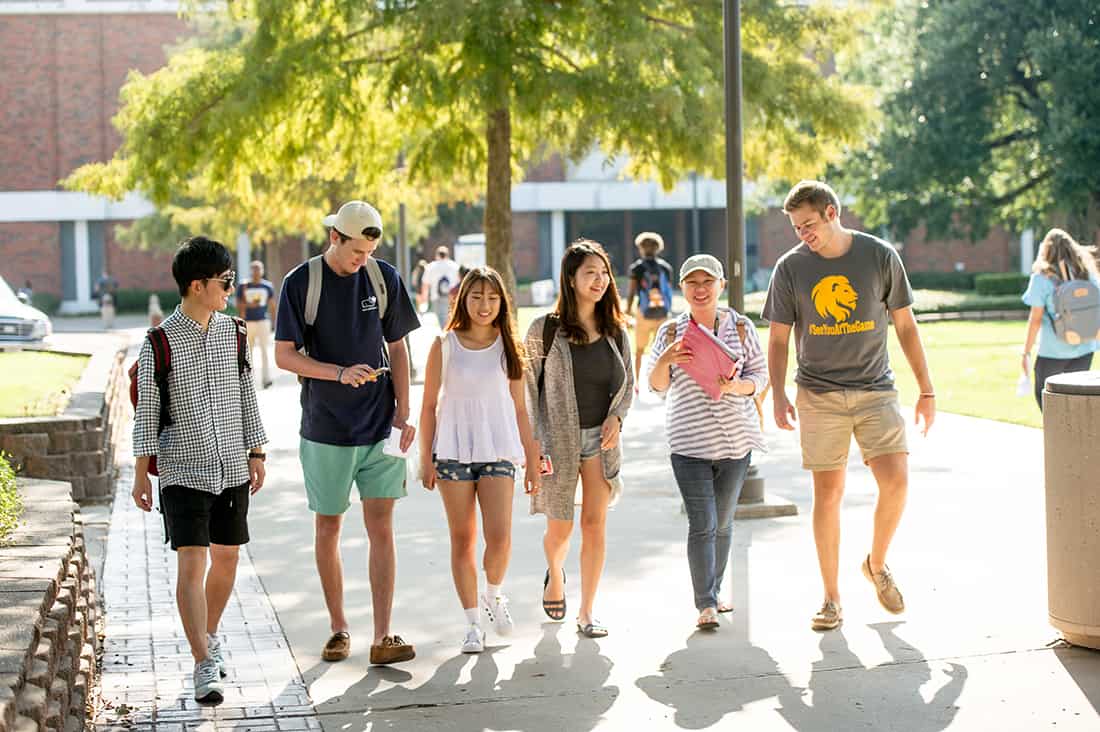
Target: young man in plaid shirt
(209, 450)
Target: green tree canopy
(306, 102)
(990, 116)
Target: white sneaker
(215, 653)
(474, 641)
(496, 609)
(208, 684)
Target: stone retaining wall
(78, 445)
(48, 610)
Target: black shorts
(198, 518)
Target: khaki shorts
(827, 421)
(644, 330)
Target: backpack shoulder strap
(313, 290)
(162, 366)
(741, 336)
(549, 333)
(242, 346)
(378, 282)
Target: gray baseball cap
(704, 262)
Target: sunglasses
(227, 280)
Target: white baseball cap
(704, 262)
(354, 219)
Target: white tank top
(476, 417)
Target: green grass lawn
(975, 367)
(37, 383)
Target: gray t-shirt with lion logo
(840, 310)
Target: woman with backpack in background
(711, 438)
(580, 385)
(474, 433)
(1060, 260)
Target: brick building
(64, 62)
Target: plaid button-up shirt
(216, 419)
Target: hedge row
(942, 280)
(1002, 283)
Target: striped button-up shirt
(698, 426)
(215, 417)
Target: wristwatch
(261, 456)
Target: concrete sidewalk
(972, 651)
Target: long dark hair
(609, 315)
(1059, 248)
(460, 317)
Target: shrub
(10, 506)
(942, 280)
(137, 301)
(46, 302)
(1001, 283)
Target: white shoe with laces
(208, 683)
(496, 609)
(216, 654)
(474, 642)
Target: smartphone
(545, 466)
(380, 370)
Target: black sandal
(554, 609)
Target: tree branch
(561, 56)
(1012, 137)
(668, 23)
(1013, 195)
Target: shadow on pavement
(1080, 664)
(876, 697)
(464, 693)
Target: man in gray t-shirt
(839, 289)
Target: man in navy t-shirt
(352, 396)
(256, 303)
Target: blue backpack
(1076, 317)
(654, 291)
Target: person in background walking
(651, 284)
(474, 433)
(580, 386)
(711, 441)
(155, 312)
(1060, 258)
(440, 277)
(106, 290)
(256, 304)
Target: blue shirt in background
(347, 331)
(1040, 294)
(256, 296)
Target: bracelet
(339, 372)
(261, 456)
(928, 395)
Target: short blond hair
(819, 195)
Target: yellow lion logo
(834, 296)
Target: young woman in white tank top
(474, 433)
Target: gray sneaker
(208, 683)
(215, 653)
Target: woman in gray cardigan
(580, 384)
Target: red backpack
(162, 367)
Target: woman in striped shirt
(709, 464)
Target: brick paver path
(146, 677)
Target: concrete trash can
(1071, 437)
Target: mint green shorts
(329, 471)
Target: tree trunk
(498, 197)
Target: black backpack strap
(242, 346)
(162, 367)
(549, 333)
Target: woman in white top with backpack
(474, 433)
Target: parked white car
(19, 322)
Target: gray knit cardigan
(556, 419)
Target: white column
(84, 275)
(557, 243)
(1027, 250)
(244, 256)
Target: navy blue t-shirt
(347, 331)
(255, 296)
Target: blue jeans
(710, 489)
